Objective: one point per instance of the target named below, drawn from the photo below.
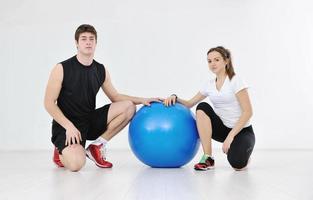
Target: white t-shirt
(225, 103)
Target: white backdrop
(156, 48)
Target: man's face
(86, 43)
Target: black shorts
(90, 127)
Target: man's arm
(51, 95)
(114, 96)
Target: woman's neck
(221, 76)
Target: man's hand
(147, 101)
(73, 135)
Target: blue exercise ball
(163, 136)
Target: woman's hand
(227, 143)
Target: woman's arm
(188, 103)
(245, 104)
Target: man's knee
(131, 108)
(75, 165)
(74, 157)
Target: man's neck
(85, 59)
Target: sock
(204, 157)
(100, 140)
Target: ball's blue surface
(163, 136)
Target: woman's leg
(205, 131)
(241, 148)
(209, 126)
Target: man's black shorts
(91, 127)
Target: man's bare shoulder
(58, 66)
(57, 72)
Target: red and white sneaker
(56, 158)
(208, 164)
(96, 153)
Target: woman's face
(216, 62)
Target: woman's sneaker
(208, 164)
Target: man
(70, 99)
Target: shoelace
(103, 152)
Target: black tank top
(80, 86)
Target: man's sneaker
(96, 153)
(208, 164)
(56, 158)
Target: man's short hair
(83, 29)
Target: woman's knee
(200, 114)
(74, 157)
(237, 163)
(203, 106)
(204, 109)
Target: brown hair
(83, 29)
(226, 56)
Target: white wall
(155, 48)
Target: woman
(228, 120)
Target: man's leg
(118, 116)
(120, 113)
(73, 157)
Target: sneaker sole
(204, 169)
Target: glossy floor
(276, 174)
